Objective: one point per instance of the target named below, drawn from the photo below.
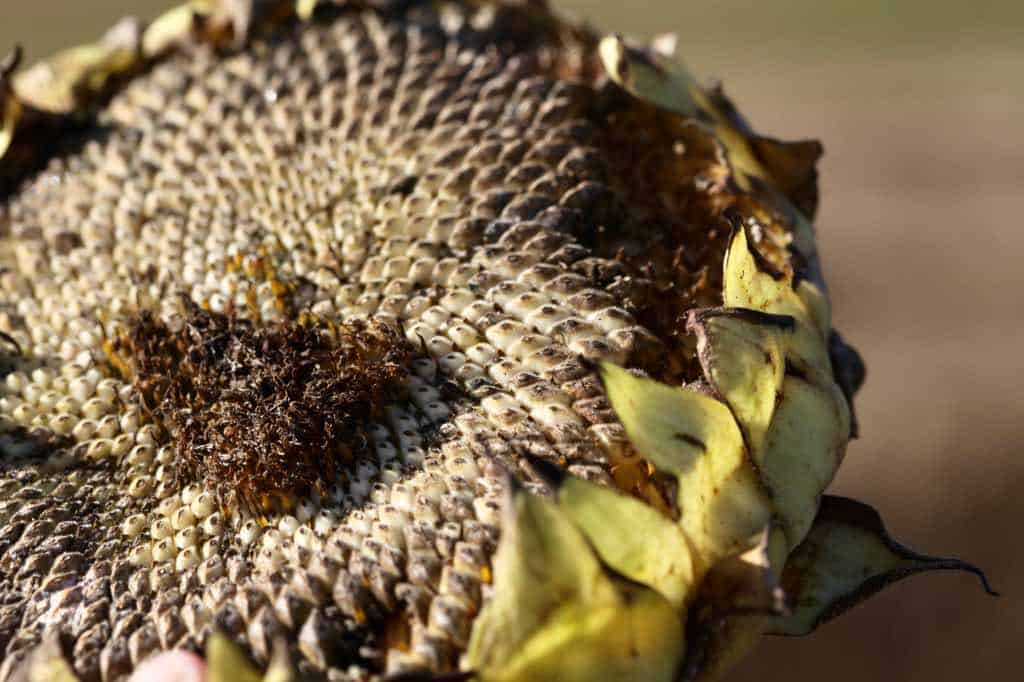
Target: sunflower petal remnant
(416, 341)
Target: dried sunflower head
(410, 338)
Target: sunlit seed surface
(510, 218)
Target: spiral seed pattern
(402, 169)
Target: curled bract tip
(847, 557)
(10, 63)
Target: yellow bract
(666, 82)
(304, 8)
(638, 73)
(541, 564)
(47, 664)
(60, 84)
(635, 636)
(696, 439)
(742, 354)
(226, 663)
(557, 614)
(221, 22)
(171, 28)
(658, 556)
(795, 429)
(748, 285)
(809, 418)
(10, 111)
(803, 449)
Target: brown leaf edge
(836, 510)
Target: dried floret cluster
(265, 415)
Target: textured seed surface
(502, 217)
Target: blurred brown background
(920, 104)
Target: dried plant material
(423, 341)
(847, 557)
(71, 78)
(266, 414)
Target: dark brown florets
(657, 215)
(265, 413)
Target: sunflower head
(348, 340)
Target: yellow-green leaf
(695, 438)
(847, 557)
(750, 283)
(175, 26)
(741, 352)
(802, 451)
(65, 82)
(10, 112)
(542, 564)
(797, 426)
(304, 8)
(226, 662)
(633, 538)
(642, 74)
(221, 22)
(636, 636)
(557, 614)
